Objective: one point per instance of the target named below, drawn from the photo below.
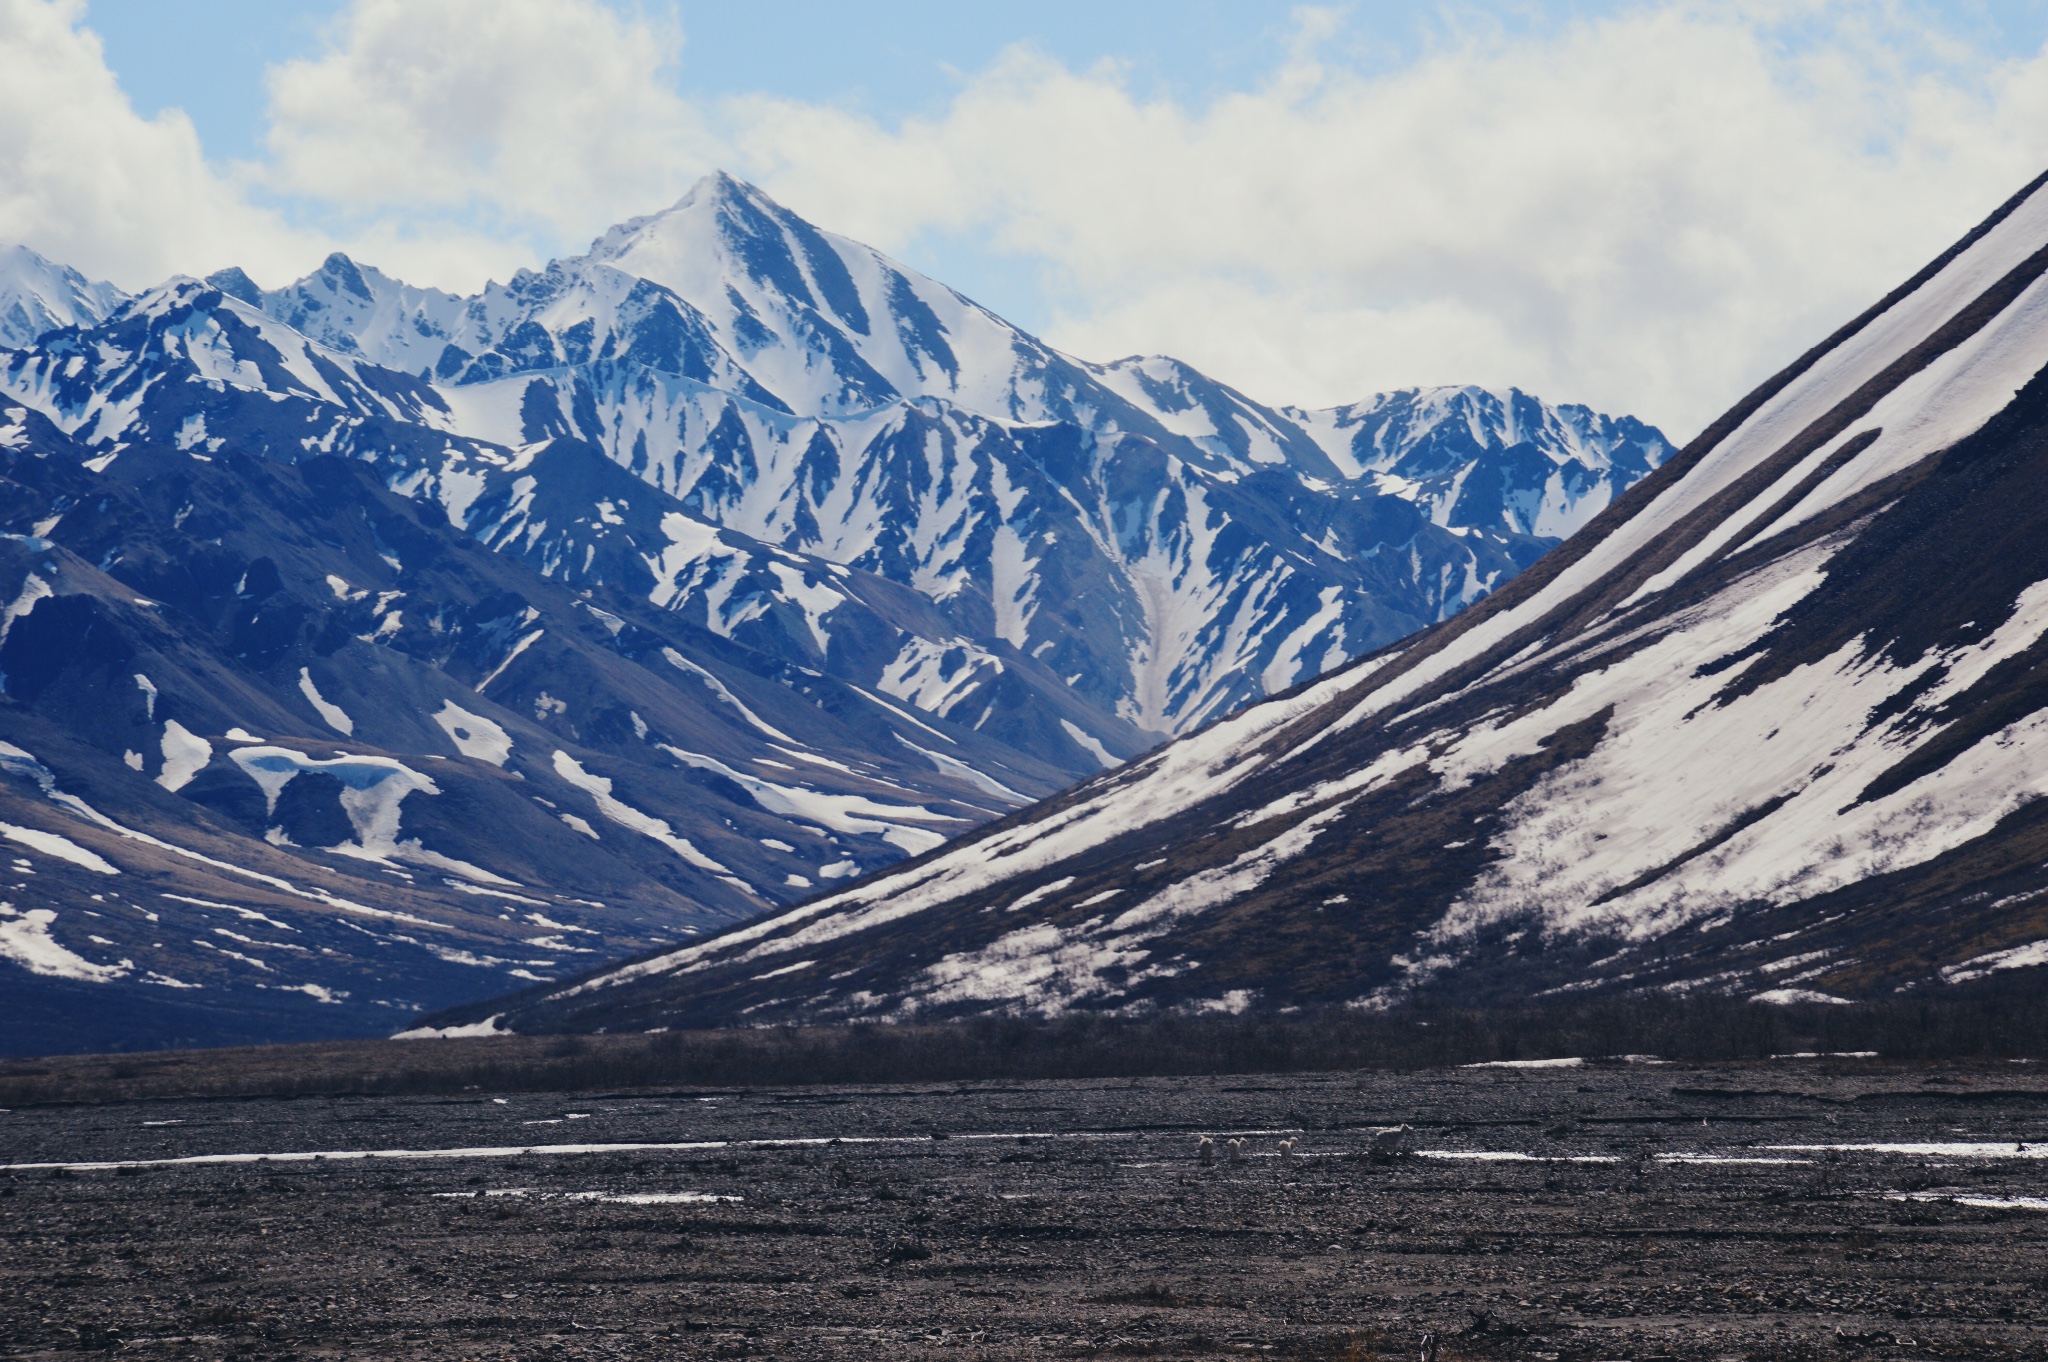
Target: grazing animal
(1287, 1149)
(1237, 1148)
(1387, 1144)
(1205, 1149)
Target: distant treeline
(1992, 1020)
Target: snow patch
(25, 939)
(487, 1027)
(599, 788)
(474, 736)
(185, 756)
(336, 718)
(2016, 957)
(32, 590)
(51, 844)
(1089, 744)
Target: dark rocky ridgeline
(1771, 726)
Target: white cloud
(1648, 212)
(514, 121)
(86, 181)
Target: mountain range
(1773, 725)
(368, 648)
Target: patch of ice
(840, 812)
(1511, 1156)
(1040, 894)
(482, 892)
(487, 1027)
(185, 756)
(474, 736)
(319, 993)
(1931, 1149)
(1285, 667)
(32, 590)
(1828, 1054)
(1786, 997)
(25, 939)
(652, 1198)
(786, 969)
(599, 788)
(246, 914)
(1046, 969)
(373, 789)
(1088, 743)
(53, 844)
(953, 766)
(1985, 1203)
(815, 600)
(336, 718)
(2016, 957)
(718, 688)
(521, 646)
(935, 676)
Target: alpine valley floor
(1798, 1208)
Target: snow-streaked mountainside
(37, 295)
(641, 595)
(1774, 725)
(1169, 547)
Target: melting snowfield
(1821, 1206)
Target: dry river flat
(1822, 1208)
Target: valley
(1784, 1209)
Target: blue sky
(1645, 206)
(890, 59)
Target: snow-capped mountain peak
(831, 326)
(810, 392)
(38, 295)
(888, 564)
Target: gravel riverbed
(1821, 1208)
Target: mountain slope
(1772, 725)
(38, 295)
(646, 593)
(282, 690)
(811, 393)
